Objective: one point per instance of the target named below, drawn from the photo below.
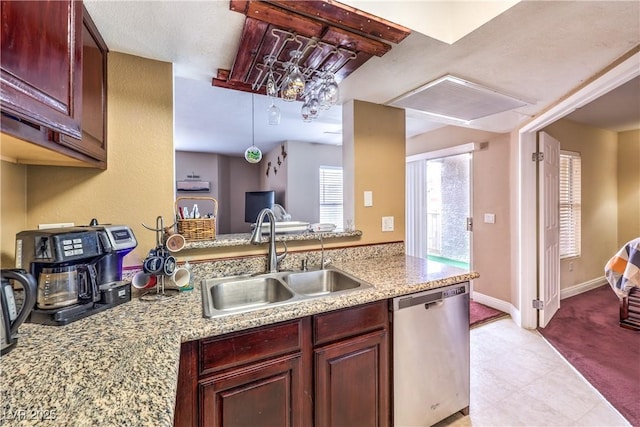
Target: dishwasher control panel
(453, 292)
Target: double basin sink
(241, 294)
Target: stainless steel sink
(248, 293)
(321, 282)
(241, 294)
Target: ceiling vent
(451, 97)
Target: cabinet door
(264, 394)
(40, 71)
(352, 382)
(94, 94)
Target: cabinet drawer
(349, 322)
(220, 353)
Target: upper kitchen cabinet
(94, 94)
(54, 84)
(41, 63)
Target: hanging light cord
(253, 128)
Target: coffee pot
(11, 317)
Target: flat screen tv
(255, 201)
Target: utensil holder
(197, 228)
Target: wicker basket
(200, 228)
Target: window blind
(570, 204)
(331, 204)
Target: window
(570, 175)
(331, 195)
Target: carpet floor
(480, 313)
(585, 331)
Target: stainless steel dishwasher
(430, 355)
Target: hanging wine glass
(273, 113)
(296, 79)
(271, 85)
(324, 98)
(332, 89)
(314, 106)
(305, 112)
(288, 92)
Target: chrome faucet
(256, 239)
(323, 262)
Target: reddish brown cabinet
(41, 72)
(53, 81)
(266, 393)
(351, 367)
(93, 141)
(330, 369)
(260, 376)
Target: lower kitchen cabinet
(352, 384)
(330, 369)
(266, 394)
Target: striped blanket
(623, 269)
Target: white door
(549, 225)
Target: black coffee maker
(78, 270)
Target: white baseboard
(582, 287)
(498, 304)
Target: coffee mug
(181, 277)
(153, 263)
(142, 280)
(159, 261)
(174, 242)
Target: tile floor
(517, 379)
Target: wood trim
(186, 411)
(349, 322)
(284, 19)
(348, 17)
(355, 42)
(253, 32)
(249, 346)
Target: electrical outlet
(387, 223)
(571, 266)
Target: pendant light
(253, 153)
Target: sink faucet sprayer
(256, 239)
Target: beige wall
(491, 256)
(374, 160)
(13, 209)
(138, 184)
(598, 151)
(628, 186)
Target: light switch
(489, 218)
(368, 198)
(387, 223)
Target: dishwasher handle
(434, 304)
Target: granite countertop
(242, 239)
(120, 367)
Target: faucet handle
(283, 254)
(304, 264)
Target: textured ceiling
(539, 51)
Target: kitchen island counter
(120, 367)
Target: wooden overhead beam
(285, 19)
(347, 17)
(252, 34)
(355, 42)
(222, 80)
